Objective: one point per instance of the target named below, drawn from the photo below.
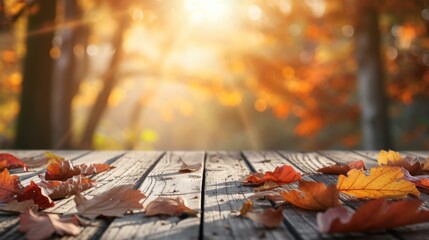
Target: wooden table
(215, 191)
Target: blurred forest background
(214, 74)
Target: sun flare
(206, 10)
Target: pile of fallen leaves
(63, 179)
(389, 192)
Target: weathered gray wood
(165, 180)
(224, 197)
(344, 157)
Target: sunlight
(202, 10)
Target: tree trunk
(370, 76)
(34, 120)
(109, 78)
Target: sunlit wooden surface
(214, 190)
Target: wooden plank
(344, 157)
(224, 197)
(8, 228)
(165, 180)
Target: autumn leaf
(186, 168)
(393, 158)
(44, 225)
(343, 169)
(60, 170)
(313, 196)
(282, 175)
(269, 218)
(374, 215)
(382, 181)
(426, 165)
(9, 161)
(268, 185)
(170, 207)
(59, 189)
(34, 162)
(88, 169)
(253, 179)
(19, 207)
(10, 186)
(112, 203)
(419, 181)
(37, 194)
(272, 195)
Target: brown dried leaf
(338, 169)
(270, 217)
(313, 196)
(247, 207)
(374, 215)
(270, 195)
(169, 206)
(268, 185)
(10, 186)
(19, 207)
(113, 203)
(185, 168)
(395, 159)
(58, 189)
(44, 225)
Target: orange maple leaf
(10, 186)
(282, 175)
(313, 196)
(374, 215)
(382, 181)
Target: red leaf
(44, 225)
(254, 179)
(9, 161)
(169, 206)
(58, 189)
(113, 203)
(37, 194)
(10, 186)
(61, 170)
(338, 169)
(282, 175)
(374, 215)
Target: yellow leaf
(385, 157)
(382, 181)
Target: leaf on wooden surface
(42, 226)
(272, 195)
(170, 207)
(282, 175)
(187, 168)
(60, 170)
(392, 158)
(374, 215)
(269, 218)
(247, 207)
(34, 162)
(59, 189)
(313, 196)
(343, 169)
(253, 179)
(112, 203)
(88, 169)
(426, 165)
(419, 181)
(382, 181)
(10, 186)
(19, 207)
(9, 161)
(268, 185)
(37, 194)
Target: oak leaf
(44, 225)
(382, 181)
(19, 207)
(284, 174)
(269, 218)
(9, 161)
(112, 203)
(10, 186)
(170, 207)
(393, 158)
(374, 215)
(187, 168)
(343, 169)
(62, 189)
(313, 196)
